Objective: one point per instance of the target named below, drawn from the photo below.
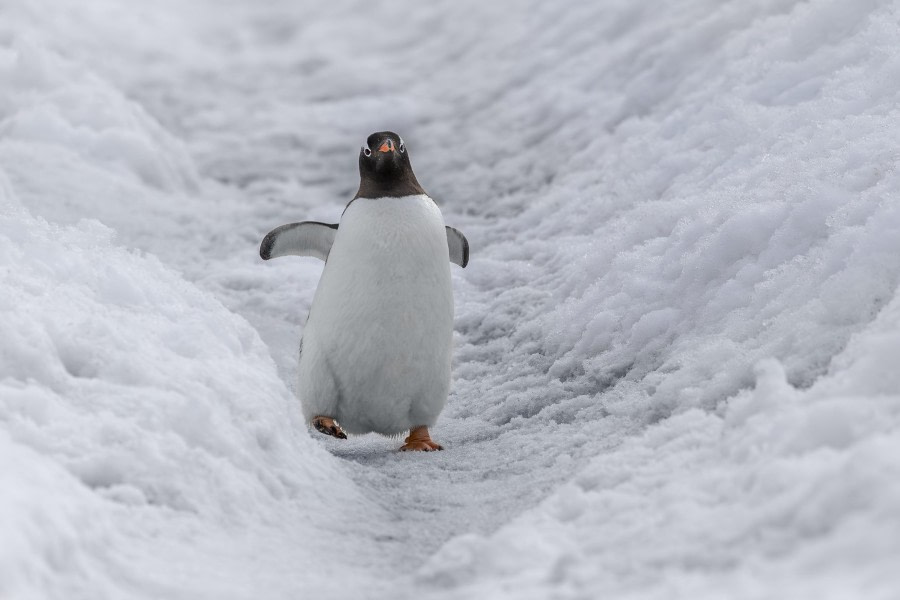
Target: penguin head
(384, 168)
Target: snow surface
(676, 341)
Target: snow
(675, 345)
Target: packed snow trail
(672, 374)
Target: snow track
(674, 371)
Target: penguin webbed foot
(419, 440)
(329, 426)
(420, 447)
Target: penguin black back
(384, 168)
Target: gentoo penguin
(375, 354)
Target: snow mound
(51, 106)
(768, 492)
(142, 424)
(119, 377)
(712, 189)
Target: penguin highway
(375, 354)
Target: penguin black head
(384, 168)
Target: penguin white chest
(377, 347)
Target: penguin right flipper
(459, 247)
(309, 238)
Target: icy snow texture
(675, 372)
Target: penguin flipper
(308, 238)
(459, 247)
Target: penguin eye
(402, 147)
(366, 151)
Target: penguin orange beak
(386, 146)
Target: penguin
(375, 353)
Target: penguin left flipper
(308, 238)
(458, 245)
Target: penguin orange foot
(418, 439)
(328, 426)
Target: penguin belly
(376, 350)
